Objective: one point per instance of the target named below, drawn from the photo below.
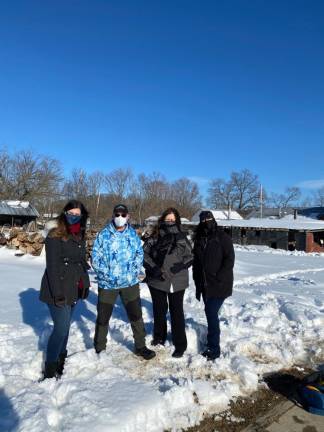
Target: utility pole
(261, 201)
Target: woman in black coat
(213, 275)
(167, 257)
(65, 280)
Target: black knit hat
(206, 214)
(120, 208)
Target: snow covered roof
(267, 212)
(219, 214)
(287, 223)
(153, 220)
(17, 208)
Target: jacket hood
(49, 226)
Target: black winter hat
(206, 214)
(120, 208)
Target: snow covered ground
(274, 319)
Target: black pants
(160, 308)
(131, 300)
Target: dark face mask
(208, 225)
(169, 227)
(72, 219)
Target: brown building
(302, 234)
(17, 213)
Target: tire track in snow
(251, 280)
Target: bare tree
(221, 194)
(137, 198)
(6, 180)
(246, 187)
(185, 194)
(117, 183)
(318, 197)
(77, 186)
(241, 191)
(32, 177)
(95, 183)
(286, 199)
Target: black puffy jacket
(213, 264)
(65, 266)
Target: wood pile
(31, 243)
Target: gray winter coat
(167, 258)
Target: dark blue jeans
(212, 307)
(58, 340)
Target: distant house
(312, 212)
(219, 214)
(17, 213)
(303, 233)
(275, 213)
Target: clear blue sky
(188, 88)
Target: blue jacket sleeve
(139, 255)
(98, 260)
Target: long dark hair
(168, 211)
(62, 230)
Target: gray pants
(132, 302)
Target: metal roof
(17, 208)
(219, 214)
(301, 224)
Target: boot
(60, 363)
(156, 342)
(210, 355)
(177, 353)
(145, 352)
(50, 370)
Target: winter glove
(156, 273)
(177, 267)
(59, 301)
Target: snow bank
(273, 320)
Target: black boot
(177, 353)
(144, 352)
(156, 342)
(50, 370)
(60, 363)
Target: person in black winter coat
(65, 280)
(167, 257)
(213, 275)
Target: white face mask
(120, 221)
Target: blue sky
(188, 88)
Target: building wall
(311, 245)
(275, 239)
(16, 220)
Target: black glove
(177, 267)
(83, 293)
(59, 301)
(156, 273)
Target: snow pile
(274, 320)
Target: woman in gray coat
(167, 257)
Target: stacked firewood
(91, 235)
(3, 240)
(31, 243)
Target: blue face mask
(72, 219)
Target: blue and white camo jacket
(117, 257)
